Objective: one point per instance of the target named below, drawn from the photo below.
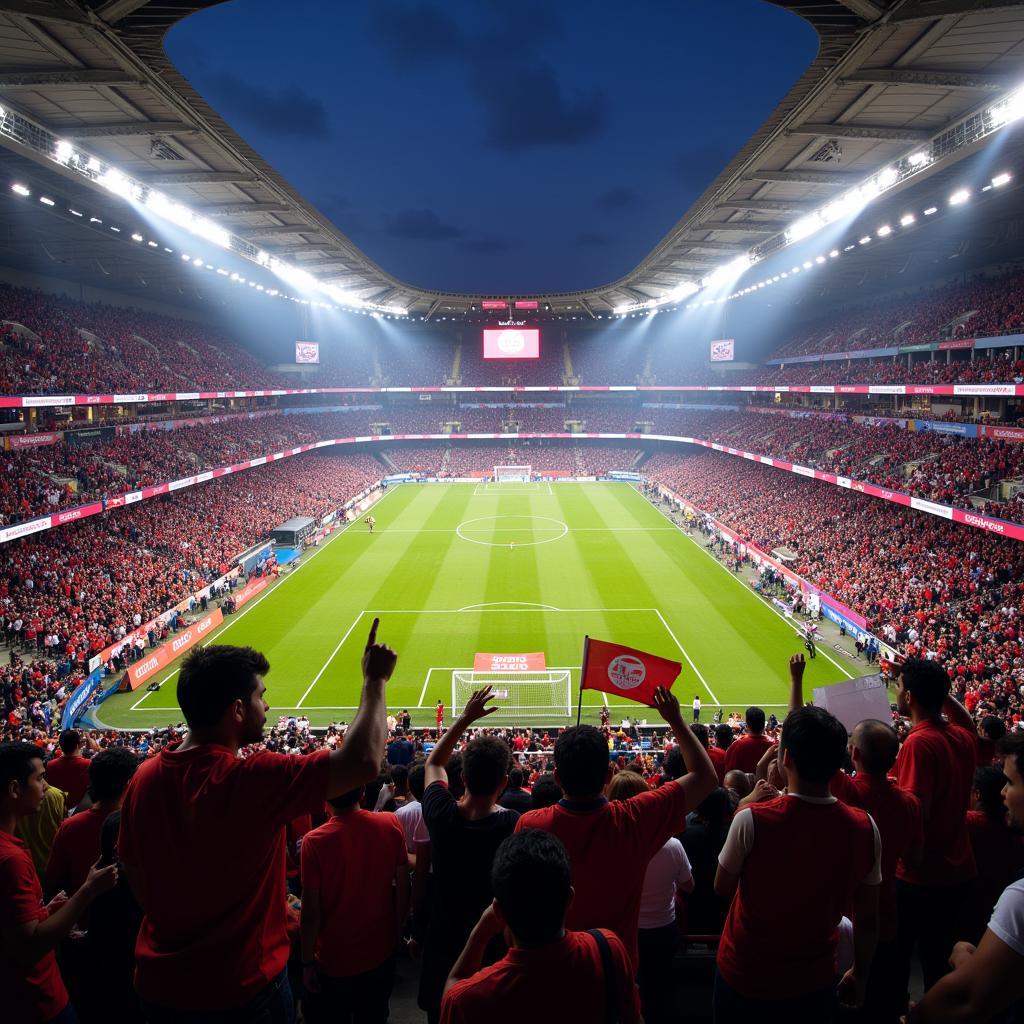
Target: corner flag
(624, 671)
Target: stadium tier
(447, 652)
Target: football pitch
(457, 569)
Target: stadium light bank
(967, 131)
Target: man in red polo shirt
(355, 868)
(619, 837)
(30, 982)
(571, 975)
(77, 844)
(202, 838)
(936, 764)
(70, 771)
(793, 866)
(744, 754)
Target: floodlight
(883, 231)
(21, 190)
(833, 254)
(919, 159)
(1000, 180)
(65, 151)
(46, 201)
(1008, 109)
(136, 237)
(865, 240)
(931, 210)
(960, 196)
(906, 220)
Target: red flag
(624, 671)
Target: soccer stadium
(503, 510)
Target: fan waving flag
(625, 671)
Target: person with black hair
(987, 979)
(585, 976)
(706, 830)
(30, 980)
(545, 792)
(515, 798)
(936, 763)
(202, 837)
(401, 750)
(625, 834)
(355, 868)
(745, 752)
(998, 850)
(817, 858)
(465, 832)
(723, 740)
(69, 770)
(77, 843)
(991, 729)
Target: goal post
(513, 474)
(543, 695)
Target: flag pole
(583, 675)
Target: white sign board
(854, 700)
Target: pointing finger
(373, 632)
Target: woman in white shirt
(667, 873)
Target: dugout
(294, 531)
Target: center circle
(506, 533)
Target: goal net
(512, 474)
(541, 695)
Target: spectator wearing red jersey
(627, 834)
(76, 847)
(202, 838)
(776, 963)
(30, 981)
(355, 899)
(990, 731)
(989, 978)
(936, 763)
(70, 771)
(744, 754)
(998, 850)
(572, 975)
(717, 753)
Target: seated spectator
(515, 798)
(820, 858)
(545, 792)
(597, 833)
(585, 976)
(745, 752)
(668, 872)
(987, 979)
(202, 837)
(465, 832)
(355, 900)
(33, 991)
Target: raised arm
(797, 664)
(475, 709)
(700, 778)
(358, 759)
(959, 715)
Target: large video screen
(307, 352)
(723, 351)
(512, 343)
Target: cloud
(485, 244)
(593, 239)
(415, 34)
(526, 107)
(421, 226)
(286, 112)
(616, 198)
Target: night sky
(511, 147)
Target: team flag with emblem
(625, 671)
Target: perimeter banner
(532, 662)
(147, 667)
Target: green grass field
(457, 569)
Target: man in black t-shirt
(400, 750)
(515, 798)
(464, 836)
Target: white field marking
(491, 488)
(281, 582)
(682, 650)
(571, 529)
(323, 669)
(426, 683)
(165, 679)
(770, 608)
(557, 524)
(453, 611)
(510, 606)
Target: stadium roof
(891, 77)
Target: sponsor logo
(888, 495)
(147, 666)
(512, 323)
(182, 641)
(985, 524)
(626, 672)
(203, 626)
